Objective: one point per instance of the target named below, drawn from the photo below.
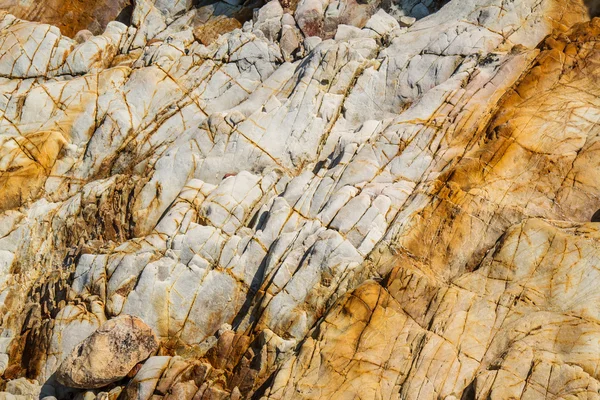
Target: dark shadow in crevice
(412, 8)
(593, 7)
(242, 12)
(470, 392)
(125, 15)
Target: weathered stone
(24, 388)
(310, 16)
(407, 21)
(382, 23)
(3, 363)
(108, 354)
(290, 41)
(83, 36)
(268, 19)
(209, 32)
(397, 207)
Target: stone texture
(108, 354)
(70, 16)
(328, 199)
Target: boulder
(309, 16)
(268, 19)
(108, 354)
(23, 387)
(83, 36)
(382, 23)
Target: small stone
(309, 16)
(236, 394)
(290, 41)
(407, 21)
(86, 396)
(224, 328)
(268, 19)
(23, 387)
(209, 32)
(288, 20)
(181, 391)
(108, 354)
(3, 363)
(269, 11)
(382, 23)
(347, 32)
(83, 36)
(420, 11)
(311, 42)
(172, 8)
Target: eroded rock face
(71, 16)
(312, 200)
(108, 354)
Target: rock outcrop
(301, 199)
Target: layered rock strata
(314, 200)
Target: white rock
(347, 32)
(23, 387)
(382, 23)
(29, 50)
(268, 19)
(149, 22)
(4, 359)
(171, 8)
(311, 42)
(407, 21)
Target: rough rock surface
(315, 199)
(71, 16)
(108, 354)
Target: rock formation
(387, 199)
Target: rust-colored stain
(69, 16)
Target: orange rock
(29, 162)
(71, 16)
(210, 31)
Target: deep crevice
(593, 7)
(125, 15)
(412, 8)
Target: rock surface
(108, 354)
(71, 16)
(314, 199)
